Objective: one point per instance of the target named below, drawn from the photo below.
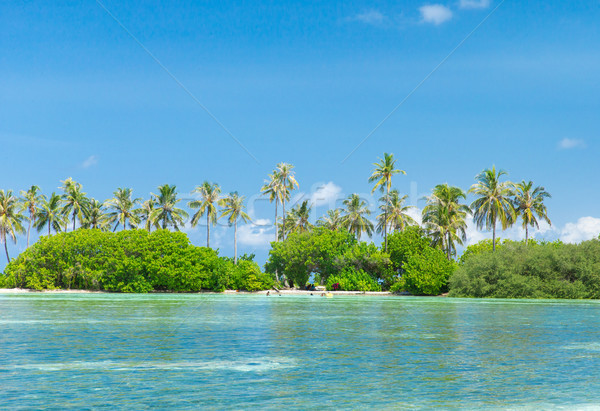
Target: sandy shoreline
(271, 292)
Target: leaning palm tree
(493, 202)
(394, 213)
(287, 180)
(31, 201)
(233, 208)
(144, 213)
(445, 218)
(332, 220)
(355, 218)
(75, 202)
(167, 214)
(11, 219)
(528, 202)
(382, 176)
(50, 214)
(95, 216)
(297, 219)
(274, 188)
(207, 204)
(122, 209)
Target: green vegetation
(129, 261)
(516, 270)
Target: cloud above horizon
(435, 14)
(570, 143)
(474, 4)
(258, 234)
(89, 162)
(326, 194)
(372, 17)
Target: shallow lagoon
(241, 351)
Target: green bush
(351, 279)
(247, 276)
(425, 273)
(127, 261)
(546, 270)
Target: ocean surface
(88, 351)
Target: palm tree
(96, 217)
(395, 213)
(445, 218)
(287, 180)
(31, 201)
(382, 176)
(209, 197)
(355, 219)
(274, 188)
(75, 202)
(145, 211)
(11, 219)
(297, 219)
(529, 201)
(50, 214)
(122, 209)
(493, 202)
(167, 214)
(332, 221)
(233, 208)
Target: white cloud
(435, 13)
(586, 228)
(258, 234)
(569, 143)
(326, 194)
(474, 4)
(89, 162)
(416, 213)
(373, 17)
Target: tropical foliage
(529, 204)
(11, 219)
(234, 210)
(355, 217)
(207, 204)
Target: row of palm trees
(444, 217)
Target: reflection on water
(240, 351)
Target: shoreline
(263, 292)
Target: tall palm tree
(287, 181)
(233, 208)
(75, 202)
(493, 202)
(274, 188)
(297, 219)
(332, 220)
(96, 217)
(145, 211)
(11, 219)
(382, 176)
(122, 207)
(529, 201)
(50, 214)
(207, 204)
(395, 213)
(167, 214)
(445, 218)
(31, 201)
(355, 218)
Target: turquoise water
(243, 351)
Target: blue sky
(85, 92)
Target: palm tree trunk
(526, 234)
(276, 226)
(235, 243)
(6, 249)
(73, 221)
(48, 227)
(116, 225)
(283, 227)
(29, 229)
(385, 222)
(207, 230)
(494, 237)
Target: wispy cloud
(586, 228)
(569, 143)
(258, 234)
(474, 4)
(435, 14)
(326, 194)
(372, 17)
(90, 162)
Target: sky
(138, 94)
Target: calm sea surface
(243, 351)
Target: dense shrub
(127, 261)
(425, 273)
(548, 270)
(403, 244)
(351, 279)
